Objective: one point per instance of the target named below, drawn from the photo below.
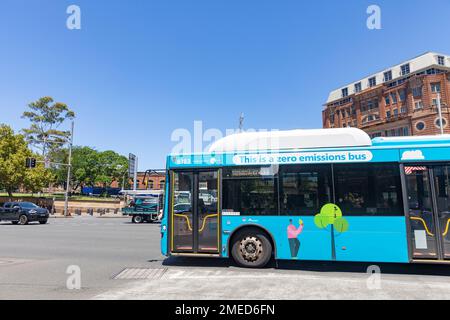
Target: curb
(60, 217)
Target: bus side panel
(368, 239)
(373, 239)
(313, 243)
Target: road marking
(140, 274)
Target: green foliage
(37, 178)
(13, 173)
(91, 167)
(331, 214)
(46, 117)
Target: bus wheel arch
(253, 235)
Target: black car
(23, 212)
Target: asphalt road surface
(120, 260)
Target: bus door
(195, 212)
(428, 196)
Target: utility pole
(69, 167)
(440, 112)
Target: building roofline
(385, 70)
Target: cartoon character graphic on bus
(293, 232)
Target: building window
(402, 94)
(403, 109)
(344, 92)
(372, 105)
(434, 102)
(394, 97)
(418, 105)
(388, 76)
(162, 184)
(372, 82)
(405, 131)
(358, 87)
(370, 118)
(436, 87)
(441, 60)
(417, 92)
(388, 114)
(375, 135)
(431, 71)
(405, 69)
(437, 123)
(420, 125)
(395, 112)
(387, 100)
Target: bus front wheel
(251, 248)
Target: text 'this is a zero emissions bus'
(328, 194)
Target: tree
(46, 117)
(91, 167)
(331, 216)
(113, 167)
(13, 173)
(38, 178)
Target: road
(120, 260)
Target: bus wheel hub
(251, 248)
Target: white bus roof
(292, 139)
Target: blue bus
(327, 195)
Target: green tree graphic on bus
(330, 218)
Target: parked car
(23, 213)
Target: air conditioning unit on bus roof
(292, 139)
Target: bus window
(304, 189)
(250, 190)
(368, 189)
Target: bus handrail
(187, 219)
(446, 228)
(203, 222)
(424, 224)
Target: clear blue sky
(138, 69)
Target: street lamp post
(69, 167)
(440, 112)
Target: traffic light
(30, 163)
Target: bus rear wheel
(251, 248)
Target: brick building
(401, 100)
(154, 180)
